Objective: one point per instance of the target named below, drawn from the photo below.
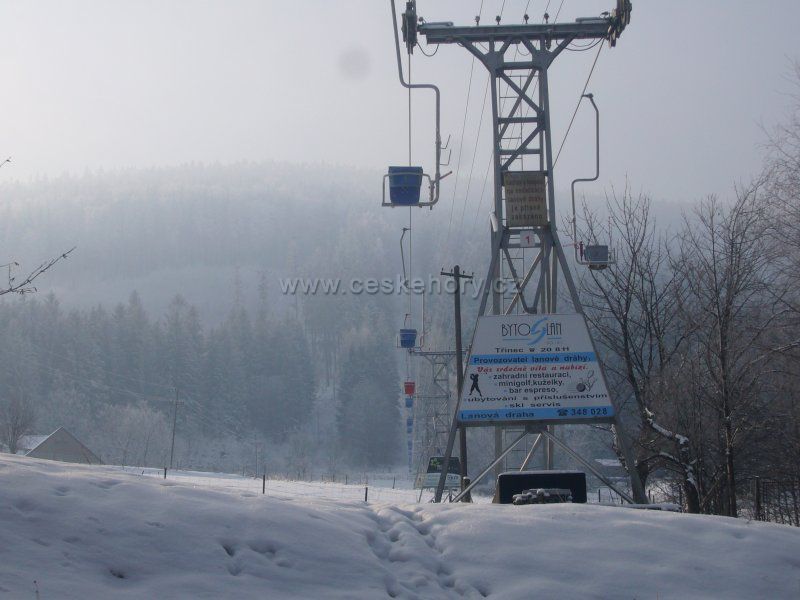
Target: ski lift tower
(518, 58)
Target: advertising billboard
(533, 368)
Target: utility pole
(457, 277)
(174, 422)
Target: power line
(104, 386)
(100, 367)
(98, 385)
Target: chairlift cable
(461, 142)
(477, 138)
(480, 123)
(574, 48)
(410, 295)
(409, 164)
(489, 165)
(558, 12)
(409, 110)
(472, 168)
(460, 152)
(527, 112)
(474, 156)
(577, 106)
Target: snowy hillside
(96, 532)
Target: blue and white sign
(533, 368)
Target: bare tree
(17, 419)
(25, 285)
(17, 416)
(15, 285)
(724, 263)
(299, 452)
(782, 186)
(634, 309)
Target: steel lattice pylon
(433, 409)
(522, 131)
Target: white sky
(90, 84)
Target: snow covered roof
(62, 445)
(29, 442)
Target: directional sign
(533, 368)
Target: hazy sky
(90, 84)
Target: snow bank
(95, 532)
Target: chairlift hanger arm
(580, 259)
(402, 253)
(410, 35)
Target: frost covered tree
(724, 263)
(634, 308)
(17, 419)
(693, 332)
(369, 422)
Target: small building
(62, 445)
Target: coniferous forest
(186, 295)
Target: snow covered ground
(71, 531)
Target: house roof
(62, 445)
(29, 442)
